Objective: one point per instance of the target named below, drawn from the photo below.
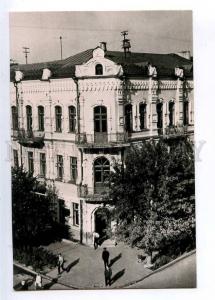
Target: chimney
(103, 45)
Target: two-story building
(73, 118)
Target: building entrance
(102, 223)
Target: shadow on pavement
(113, 260)
(47, 286)
(69, 267)
(117, 276)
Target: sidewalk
(85, 268)
(181, 273)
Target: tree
(33, 209)
(153, 194)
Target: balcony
(177, 131)
(32, 139)
(84, 140)
(93, 195)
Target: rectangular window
(14, 118)
(15, 159)
(72, 118)
(58, 118)
(41, 118)
(75, 214)
(186, 112)
(60, 167)
(73, 169)
(30, 162)
(42, 164)
(29, 118)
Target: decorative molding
(168, 84)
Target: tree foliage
(33, 210)
(153, 194)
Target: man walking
(60, 263)
(105, 257)
(95, 240)
(108, 273)
(38, 282)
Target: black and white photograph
(102, 150)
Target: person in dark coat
(105, 257)
(108, 273)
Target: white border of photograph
(204, 49)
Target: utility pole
(26, 52)
(61, 48)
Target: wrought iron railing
(30, 138)
(102, 139)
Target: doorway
(102, 223)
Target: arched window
(58, 118)
(101, 174)
(72, 118)
(171, 113)
(99, 69)
(100, 124)
(142, 110)
(186, 113)
(159, 115)
(128, 118)
(14, 113)
(40, 118)
(29, 117)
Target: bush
(38, 258)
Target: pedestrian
(38, 282)
(24, 285)
(105, 257)
(96, 239)
(108, 274)
(60, 263)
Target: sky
(149, 31)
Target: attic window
(99, 69)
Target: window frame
(31, 162)
(75, 214)
(72, 118)
(29, 118)
(60, 167)
(143, 116)
(58, 118)
(159, 113)
(43, 165)
(73, 169)
(41, 115)
(15, 158)
(99, 69)
(171, 110)
(15, 120)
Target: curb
(183, 256)
(31, 272)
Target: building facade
(73, 119)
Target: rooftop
(134, 65)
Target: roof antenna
(61, 48)
(126, 45)
(26, 52)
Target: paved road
(182, 274)
(85, 268)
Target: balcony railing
(34, 139)
(175, 131)
(110, 139)
(93, 194)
